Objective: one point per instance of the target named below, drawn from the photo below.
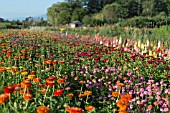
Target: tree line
(18, 24)
(98, 12)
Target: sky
(24, 8)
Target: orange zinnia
(88, 93)
(81, 95)
(58, 92)
(90, 108)
(37, 80)
(15, 57)
(26, 84)
(23, 51)
(127, 97)
(62, 62)
(27, 96)
(150, 107)
(43, 109)
(118, 84)
(8, 54)
(47, 61)
(70, 95)
(122, 111)
(122, 104)
(74, 109)
(4, 98)
(115, 94)
(60, 81)
(3, 69)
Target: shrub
(147, 22)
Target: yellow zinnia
(31, 76)
(24, 73)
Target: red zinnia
(58, 92)
(9, 89)
(50, 81)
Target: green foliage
(147, 22)
(164, 31)
(4, 25)
(78, 14)
(59, 13)
(109, 11)
(87, 20)
(1, 20)
(90, 21)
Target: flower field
(47, 72)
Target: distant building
(75, 24)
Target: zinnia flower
(115, 94)
(150, 107)
(47, 61)
(122, 104)
(43, 109)
(118, 84)
(70, 95)
(9, 89)
(60, 81)
(90, 108)
(4, 98)
(37, 80)
(127, 97)
(74, 109)
(58, 92)
(24, 73)
(122, 111)
(50, 81)
(23, 51)
(27, 96)
(31, 76)
(26, 84)
(88, 93)
(3, 69)
(32, 72)
(81, 95)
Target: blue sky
(24, 8)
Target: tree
(59, 13)
(52, 14)
(87, 20)
(160, 6)
(1, 20)
(148, 8)
(114, 11)
(134, 8)
(78, 14)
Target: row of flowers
(48, 72)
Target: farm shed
(75, 24)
